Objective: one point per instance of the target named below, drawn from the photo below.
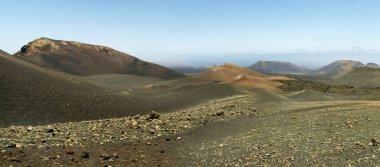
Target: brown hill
(84, 59)
(232, 74)
(276, 67)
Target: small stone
(85, 155)
(178, 138)
(153, 115)
(162, 151)
(18, 145)
(221, 145)
(9, 145)
(50, 130)
(135, 123)
(115, 155)
(221, 113)
(14, 159)
(29, 128)
(70, 151)
(374, 142)
(105, 156)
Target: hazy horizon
(306, 33)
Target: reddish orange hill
(232, 74)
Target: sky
(203, 32)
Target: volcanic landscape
(66, 103)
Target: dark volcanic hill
(338, 68)
(30, 94)
(84, 59)
(372, 65)
(276, 67)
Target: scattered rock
(50, 130)
(105, 156)
(135, 123)
(374, 142)
(29, 128)
(14, 159)
(153, 115)
(220, 113)
(360, 144)
(84, 155)
(18, 145)
(9, 145)
(70, 151)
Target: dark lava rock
(9, 145)
(50, 131)
(14, 159)
(85, 155)
(24, 48)
(105, 156)
(153, 115)
(221, 113)
(374, 142)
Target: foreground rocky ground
(234, 131)
(59, 144)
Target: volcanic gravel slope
(30, 94)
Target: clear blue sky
(307, 32)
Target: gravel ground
(234, 131)
(113, 132)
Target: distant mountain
(84, 59)
(372, 65)
(276, 67)
(235, 75)
(339, 68)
